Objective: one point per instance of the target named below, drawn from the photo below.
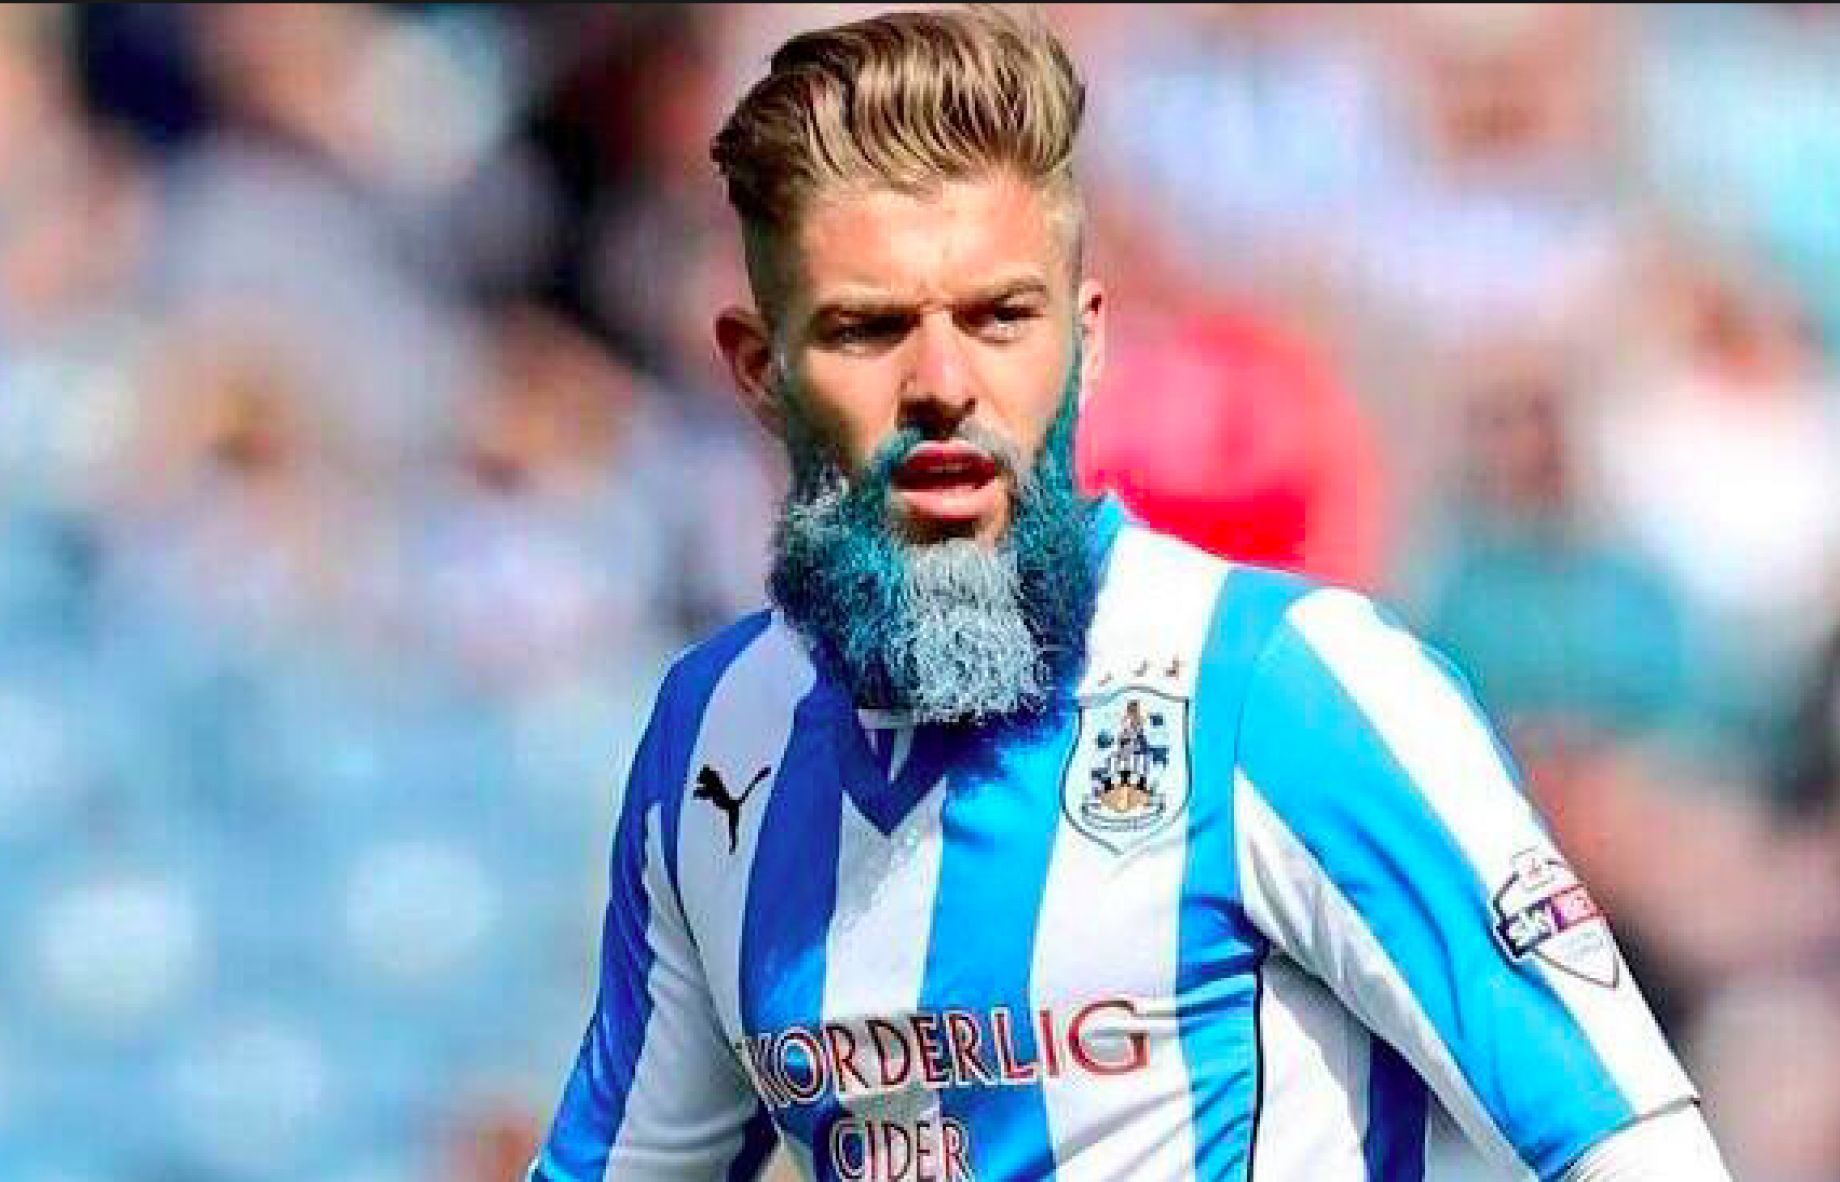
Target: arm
(654, 1094)
(1384, 847)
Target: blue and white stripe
(1305, 950)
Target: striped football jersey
(1254, 899)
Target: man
(879, 886)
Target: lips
(948, 489)
(934, 466)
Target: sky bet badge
(1544, 911)
(1128, 775)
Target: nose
(938, 391)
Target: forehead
(961, 237)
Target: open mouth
(944, 465)
(949, 482)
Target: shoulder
(1330, 656)
(1155, 604)
(1342, 693)
(1164, 591)
(736, 681)
(1252, 613)
(1266, 643)
(1192, 624)
(756, 663)
(1147, 571)
(1143, 561)
(698, 669)
(1338, 637)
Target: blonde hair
(904, 100)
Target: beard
(947, 631)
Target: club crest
(1544, 911)
(1128, 775)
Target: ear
(747, 346)
(1090, 324)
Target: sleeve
(655, 1095)
(1673, 1147)
(1385, 847)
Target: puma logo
(709, 786)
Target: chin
(918, 528)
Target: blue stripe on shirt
(791, 896)
(1001, 813)
(757, 1141)
(1217, 979)
(1394, 1143)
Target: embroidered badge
(1127, 777)
(1544, 911)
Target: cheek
(1037, 399)
(852, 406)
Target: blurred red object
(1234, 436)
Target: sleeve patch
(1543, 911)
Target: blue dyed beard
(949, 631)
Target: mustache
(894, 451)
(818, 462)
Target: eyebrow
(871, 305)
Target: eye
(1001, 322)
(866, 331)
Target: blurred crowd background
(364, 457)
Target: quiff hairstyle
(902, 101)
